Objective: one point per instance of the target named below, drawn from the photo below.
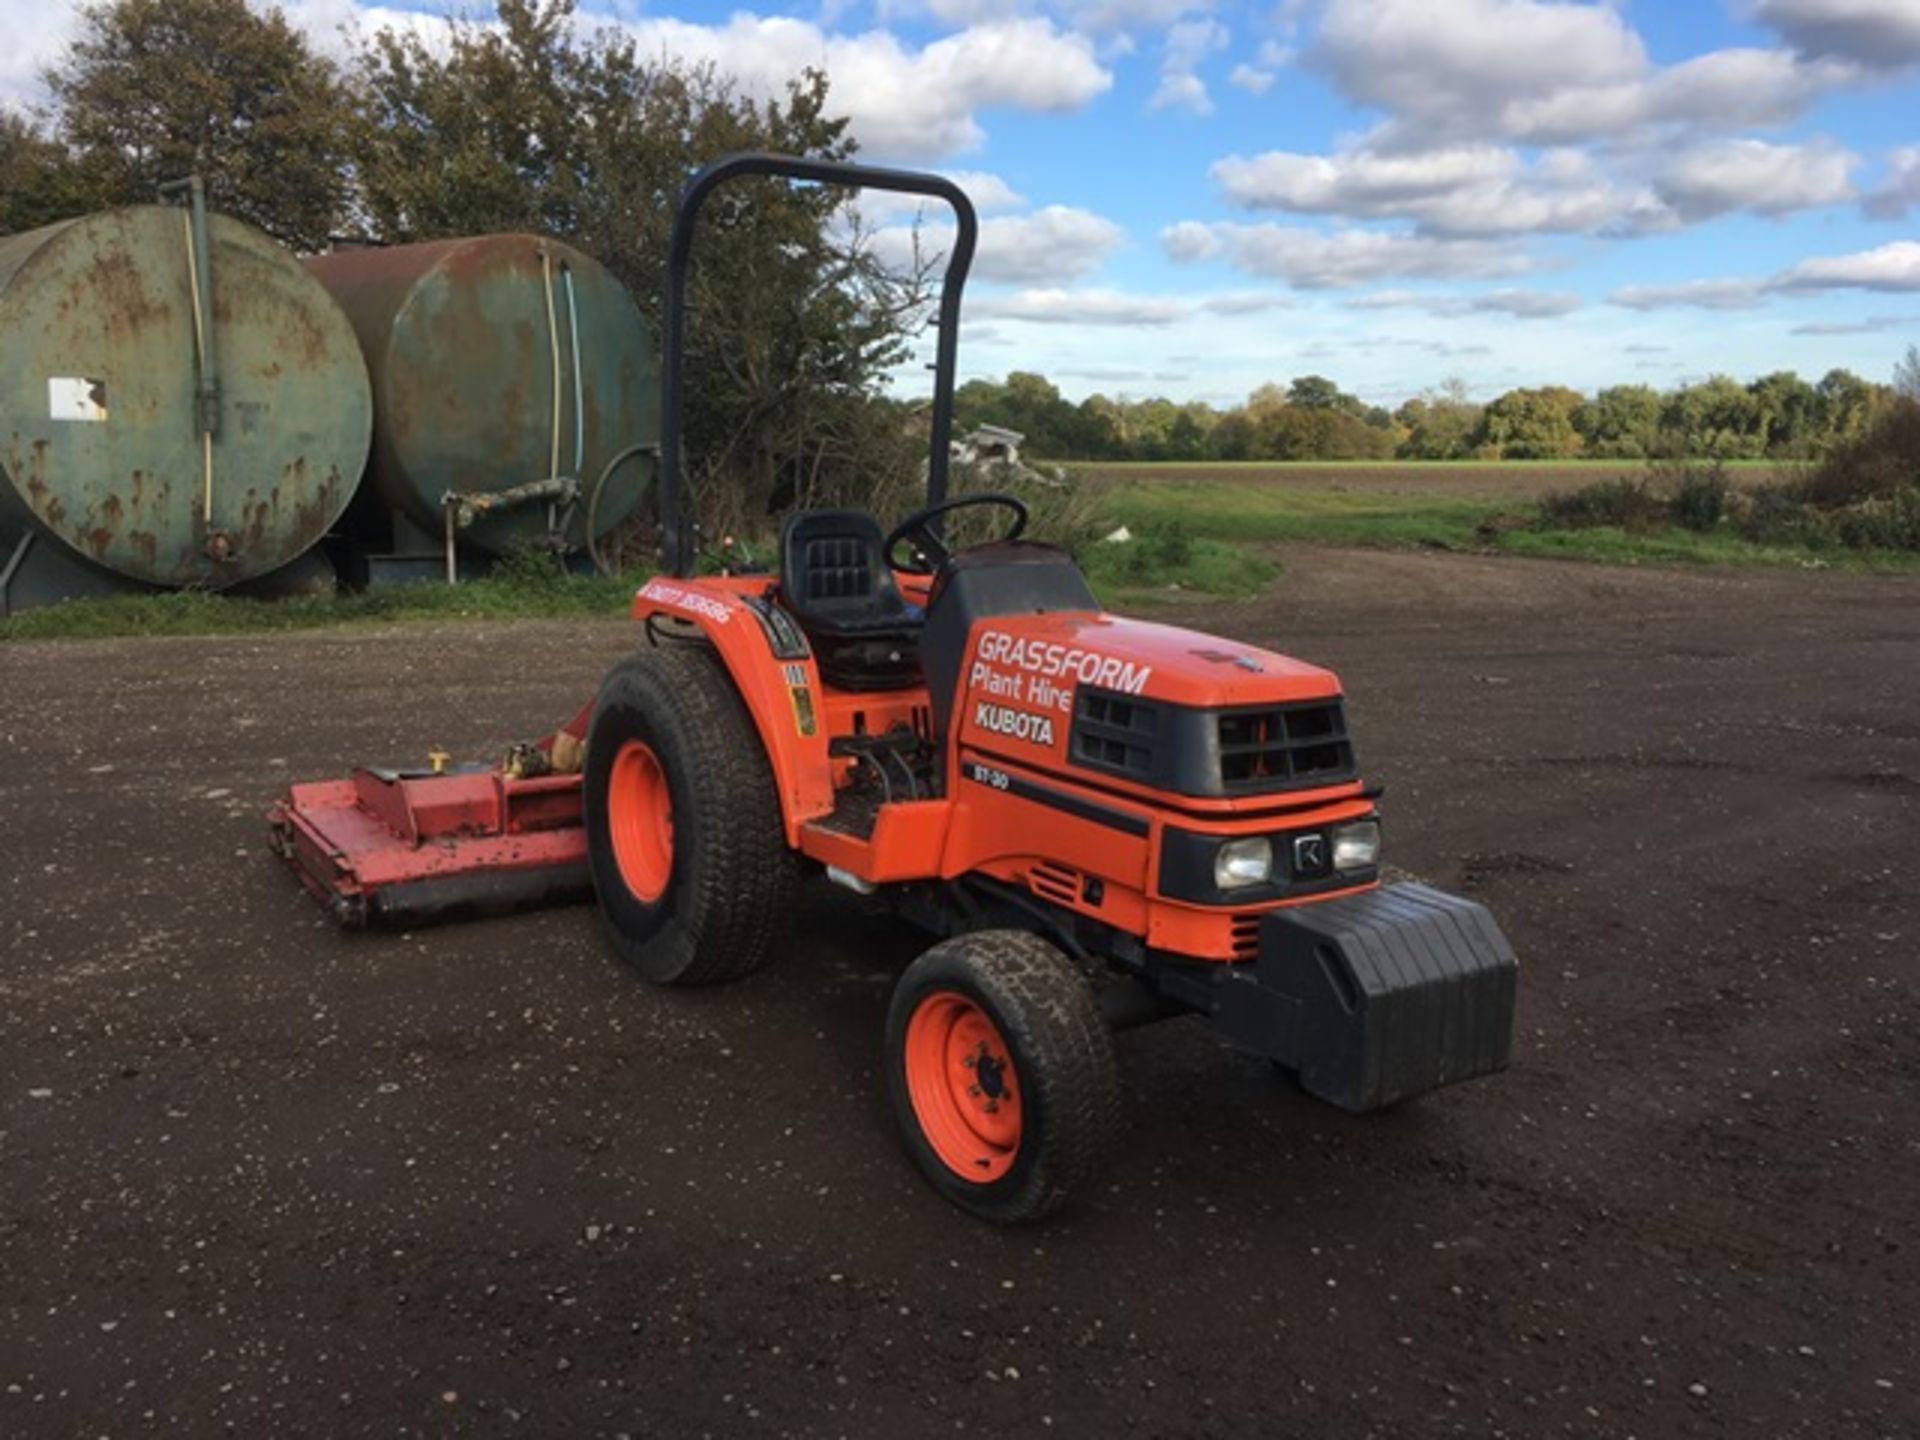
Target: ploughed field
(262, 1175)
(1464, 479)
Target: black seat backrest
(1007, 577)
(833, 575)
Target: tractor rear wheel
(684, 837)
(1002, 1073)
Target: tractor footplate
(404, 848)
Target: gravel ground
(260, 1176)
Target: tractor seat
(835, 581)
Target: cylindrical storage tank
(498, 361)
(109, 391)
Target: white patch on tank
(70, 397)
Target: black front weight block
(1375, 997)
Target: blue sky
(1191, 198)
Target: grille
(1285, 746)
(1244, 935)
(1055, 882)
(1115, 732)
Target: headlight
(1356, 845)
(1240, 863)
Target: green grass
(1167, 563)
(1239, 514)
(518, 594)
(1610, 545)
(1242, 514)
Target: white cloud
(1189, 240)
(1546, 74)
(1313, 260)
(1101, 16)
(1447, 60)
(1520, 304)
(1078, 307)
(1186, 45)
(1452, 190)
(1694, 294)
(37, 34)
(903, 102)
(1048, 246)
(988, 192)
(1901, 186)
(1055, 306)
(1871, 325)
(1894, 266)
(1878, 34)
(1252, 79)
(1720, 176)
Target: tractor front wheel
(1002, 1073)
(684, 837)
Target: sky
(1194, 197)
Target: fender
(783, 697)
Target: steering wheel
(929, 551)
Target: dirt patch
(262, 1175)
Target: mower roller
(1103, 821)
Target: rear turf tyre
(684, 837)
(1002, 1073)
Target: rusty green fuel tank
(126, 463)
(497, 361)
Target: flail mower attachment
(403, 848)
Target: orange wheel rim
(961, 1080)
(640, 820)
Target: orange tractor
(1104, 821)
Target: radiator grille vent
(1287, 745)
(1054, 882)
(1116, 733)
(1245, 935)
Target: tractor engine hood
(1156, 706)
(1041, 656)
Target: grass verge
(1165, 562)
(513, 595)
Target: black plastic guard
(1386, 994)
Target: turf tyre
(732, 883)
(1044, 1009)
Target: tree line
(526, 121)
(1779, 416)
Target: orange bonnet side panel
(782, 696)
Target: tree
(532, 123)
(1620, 422)
(1906, 375)
(154, 90)
(1314, 392)
(1715, 418)
(34, 176)
(1787, 411)
(1843, 402)
(1441, 424)
(1534, 424)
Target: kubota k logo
(1309, 854)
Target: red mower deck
(388, 847)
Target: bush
(1160, 549)
(1622, 504)
(1775, 515)
(1699, 497)
(1889, 524)
(1879, 464)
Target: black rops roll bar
(677, 551)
